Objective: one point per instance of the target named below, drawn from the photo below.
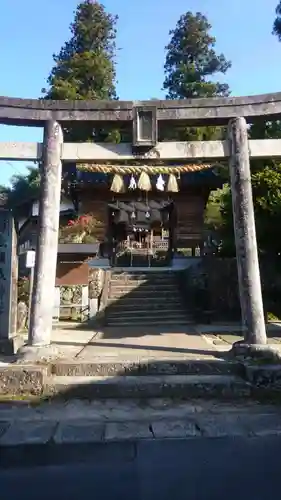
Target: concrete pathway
(224, 335)
(79, 422)
(73, 342)
(135, 344)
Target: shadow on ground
(167, 378)
(155, 349)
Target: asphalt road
(212, 469)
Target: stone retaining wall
(213, 285)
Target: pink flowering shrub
(84, 229)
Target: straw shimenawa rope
(136, 169)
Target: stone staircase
(145, 298)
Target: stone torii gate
(145, 117)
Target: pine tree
(23, 188)
(266, 181)
(191, 60)
(277, 23)
(85, 65)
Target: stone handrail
(34, 112)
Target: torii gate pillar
(245, 235)
(42, 304)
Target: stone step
(163, 299)
(143, 272)
(156, 386)
(143, 292)
(139, 286)
(144, 367)
(131, 302)
(142, 284)
(143, 276)
(145, 322)
(119, 307)
(140, 313)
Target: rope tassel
(144, 183)
(172, 185)
(118, 185)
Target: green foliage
(23, 290)
(213, 216)
(267, 200)
(277, 22)
(191, 60)
(181, 133)
(266, 186)
(84, 229)
(84, 69)
(263, 129)
(226, 230)
(85, 65)
(23, 187)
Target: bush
(23, 290)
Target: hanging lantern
(144, 183)
(172, 185)
(147, 215)
(133, 184)
(133, 215)
(160, 184)
(118, 185)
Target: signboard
(30, 259)
(8, 275)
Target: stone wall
(212, 285)
(222, 287)
(78, 291)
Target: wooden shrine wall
(190, 220)
(190, 206)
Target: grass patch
(23, 398)
(272, 317)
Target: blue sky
(32, 30)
